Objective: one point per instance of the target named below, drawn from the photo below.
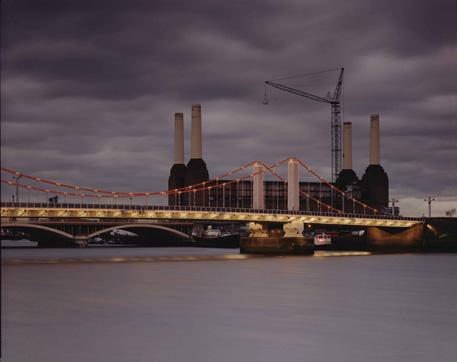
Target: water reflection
(197, 254)
(38, 256)
(321, 253)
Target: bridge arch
(127, 227)
(25, 226)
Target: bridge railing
(126, 207)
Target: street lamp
(393, 202)
(429, 200)
(16, 178)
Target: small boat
(215, 238)
(322, 241)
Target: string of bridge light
(195, 188)
(125, 195)
(121, 193)
(51, 191)
(118, 193)
(131, 194)
(109, 194)
(300, 191)
(188, 189)
(98, 193)
(341, 192)
(321, 179)
(184, 189)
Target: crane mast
(335, 118)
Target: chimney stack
(177, 178)
(347, 146)
(196, 132)
(196, 168)
(375, 182)
(374, 140)
(347, 179)
(179, 139)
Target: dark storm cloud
(89, 88)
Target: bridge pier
(81, 241)
(293, 229)
(291, 243)
(257, 230)
(395, 240)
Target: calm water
(135, 304)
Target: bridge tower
(258, 188)
(293, 199)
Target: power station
(372, 189)
(196, 170)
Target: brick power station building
(372, 188)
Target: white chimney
(347, 146)
(196, 132)
(179, 139)
(374, 140)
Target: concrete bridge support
(256, 230)
(440, 234)
(395, 240)
(81, 241)
(293, 229)
(258, 200)
(293, 199)
(292, 243)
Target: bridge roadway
(136, 213)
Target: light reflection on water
(324, 253)
(96, 255)
(222, 306)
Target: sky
(90, 88)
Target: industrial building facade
(240, 195)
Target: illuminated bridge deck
(148, 212)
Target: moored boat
(215, 238)
(322, 242)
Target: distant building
(372, 189)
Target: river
(184, 304)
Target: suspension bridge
(237, 196)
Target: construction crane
(335, 104)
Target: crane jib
(336, 116)
(297, 92)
